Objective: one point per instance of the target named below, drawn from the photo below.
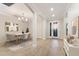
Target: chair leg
(16, 41)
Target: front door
(55, 30)
(55, 33)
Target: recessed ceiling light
(51, 9)
(53, 15)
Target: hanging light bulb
(23, 18)
(26, 19)
(19, 18)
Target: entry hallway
(48, 47)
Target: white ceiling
(17, 9)
(59, 9)
(43, 8)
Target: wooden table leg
(17, 39)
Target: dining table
(15, 36)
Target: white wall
(48, 29)
(41, 22)
(44, 28)
(4, 18)
(60, 28)
(41, 27)
(7, 15)
(72, 12)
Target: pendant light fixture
(22, 18)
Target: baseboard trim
(49, 38)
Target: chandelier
(22, 18)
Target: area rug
(20, 46)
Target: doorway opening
(54, 29)
(55, 32)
